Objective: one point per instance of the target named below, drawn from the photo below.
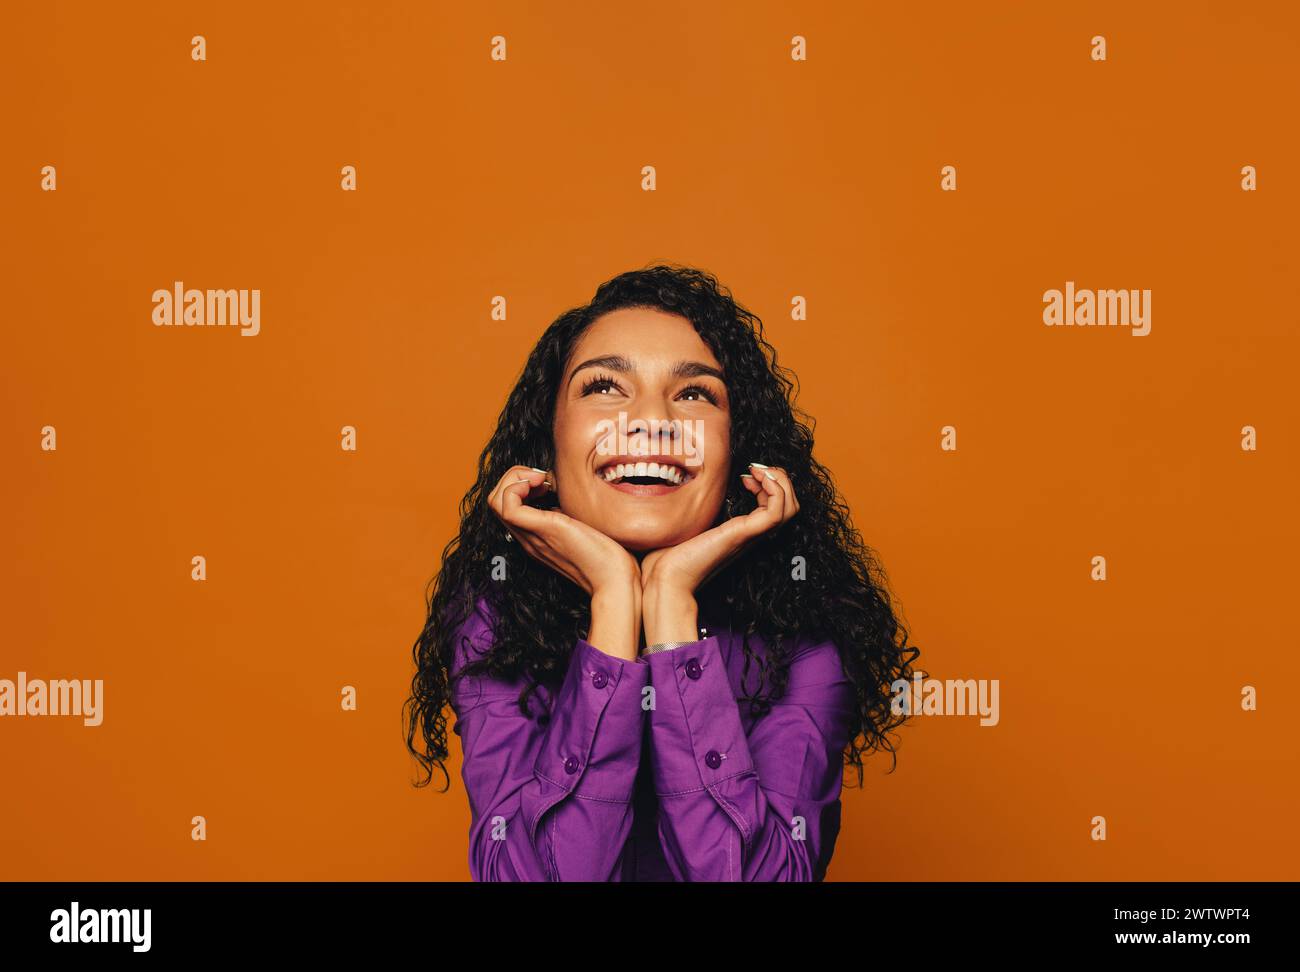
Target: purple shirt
(678, 784)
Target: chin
(642, 543)
(646, 536)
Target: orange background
(521, 178)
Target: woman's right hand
(600, 566)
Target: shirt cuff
(696, 736)
(592, 746)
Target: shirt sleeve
(762, 807)
(550, 802)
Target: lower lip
(635, 489)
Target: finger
(778, 476)
(758, 474)
(791, 501)
(759, 520)
(536, 478)
(511, 475)
(539, 480)
(515, 512)
(783, 480)
(776, 498)
(751, 483)
(514, 473)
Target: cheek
(572, 441)
(717, 444)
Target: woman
(658, 629)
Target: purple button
(571, 765)
(693, 670)
(599, 679)
(712, 760)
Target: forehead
(646, 335)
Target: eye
(701, 391)
(601, 384)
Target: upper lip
(608, 461)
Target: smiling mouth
(644, 478)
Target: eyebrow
(617, 362)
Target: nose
(655, 435)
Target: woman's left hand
(678, 571)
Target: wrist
(669, 614)
(616, 620)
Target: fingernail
(535, 469)
(769, 475)
(746, 476)
(758, 465)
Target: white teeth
(620, 471)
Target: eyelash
(703, 391)
(589, 386)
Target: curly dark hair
(844, 597)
